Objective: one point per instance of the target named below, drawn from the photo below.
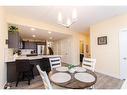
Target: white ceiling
(87, 15)
(26, 33)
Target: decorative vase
(72, 70)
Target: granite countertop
(12, 59)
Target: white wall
(69, 48)
(63, 47)
(107, 56)
(3, 47)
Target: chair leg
(28, 75)
(32, 74)
(92, 87)
(18, 76)
(28, 82)
(17, 83)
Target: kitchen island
(43, 60)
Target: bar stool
(24, 70)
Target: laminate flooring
(103, 82)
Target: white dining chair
(55, 62)
(46, 80)
(89, 63)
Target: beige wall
(107, 56)
(87, 42)
(3, 47)
(73, 47)
(34, 23)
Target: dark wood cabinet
(29, 45)
(26, 45)
(11, 68)
(11, 72)
(14, 40)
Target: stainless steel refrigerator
(40, 49)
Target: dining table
(76, 80)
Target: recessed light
(50, 38)
(33, 36)
(32, 29)
(49, 32)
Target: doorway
(81, 51)
(123, 53)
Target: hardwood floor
(107, 82)
(103, 82)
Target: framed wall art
(102, 40)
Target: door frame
(120, 57)
(83, 43)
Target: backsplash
(26, 51)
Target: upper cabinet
(29, 45)
(14, 39)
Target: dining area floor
(103, 82)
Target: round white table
(73, 83)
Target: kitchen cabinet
(11, 71)
(29, 45)
(11, 68)
(14, 40)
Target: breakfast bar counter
(12, 59)
(40, 59)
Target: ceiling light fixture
(33, 36)
(69, 21)
(32, 29)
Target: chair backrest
(23, 65)
(89, 63)
(45, 78)
(55, 62)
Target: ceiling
(27, 33)
(87, 15)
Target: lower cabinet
(11, 72)
(11, 68)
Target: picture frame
(102, 40)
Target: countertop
(12, 59)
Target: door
(123, 54)
(81, 50)
(65, 50)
